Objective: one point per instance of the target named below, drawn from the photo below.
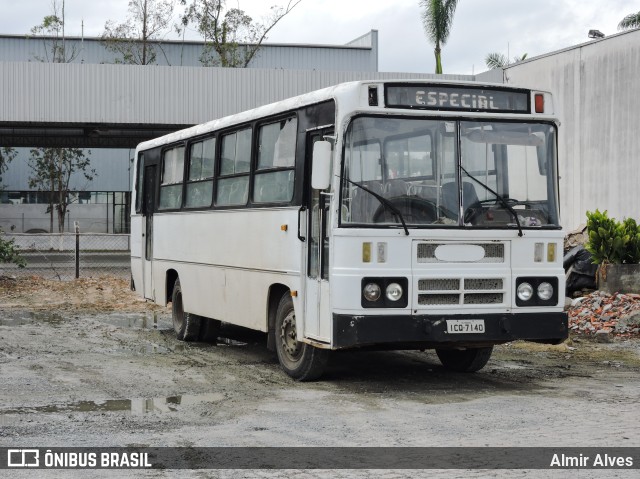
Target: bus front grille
(448, 291)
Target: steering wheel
(496, 201)
(414, 210)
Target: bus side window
(172, 173)
(200, 180)
(235, 161)
(274, 177)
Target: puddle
(136, 406)
(132, 320)
(138, 321)
(22, 319)
(145, 349)
(230, 342)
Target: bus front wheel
(186, 325)
(301, 361)
(464, 360)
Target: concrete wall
(596, 87)
(96, 218)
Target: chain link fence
(65, 256)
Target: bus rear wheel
(465, 360)
(301, 361)
(186, 325)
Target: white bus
(372, 214)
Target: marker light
(366, 252)
(382, 252)
(538, 251)
(394, 292)
(525, 292)
(371, 292)
(539, 102)
(545, 291)
(551, 252)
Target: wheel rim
(288, 338)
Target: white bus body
(437, 225)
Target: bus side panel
(224, 278)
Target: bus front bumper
(432, 331)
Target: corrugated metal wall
(359, 56)
(130, 94)
(596, 88)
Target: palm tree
(437, 19)
(499, 60)
(630, 21)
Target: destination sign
(438, 97)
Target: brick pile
(606, 314)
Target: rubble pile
(600, 314)
(577, 237)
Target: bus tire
(186, 325)
(301, 361)
(464, 360)
(209, 330)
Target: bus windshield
(452, 173)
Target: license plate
(465, 326)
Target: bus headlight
(394, 292)
(525, 291)
(371, 292)
(545, 291)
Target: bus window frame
(457, 119)
(160, 175)
(189, 144)
(292, 115)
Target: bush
(612, 242)
(9, 252)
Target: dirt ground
(88, 363)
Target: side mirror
(321, 165)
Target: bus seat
(425, 192)
(364, 205)
(395, 188)
(450, 196)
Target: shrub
(9, 252)
(612, 242)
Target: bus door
(149, 198)
(317, 324)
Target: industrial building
(108, 108)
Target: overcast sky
(534, 27)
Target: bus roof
(306, 99)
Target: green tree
(52, 170)
(437, 19)
(232, 38)
(51, 31)
(499, 60)
(630, 22)
(135, 40)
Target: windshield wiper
(499, 197)
(385, 202)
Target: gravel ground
(86, 363)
